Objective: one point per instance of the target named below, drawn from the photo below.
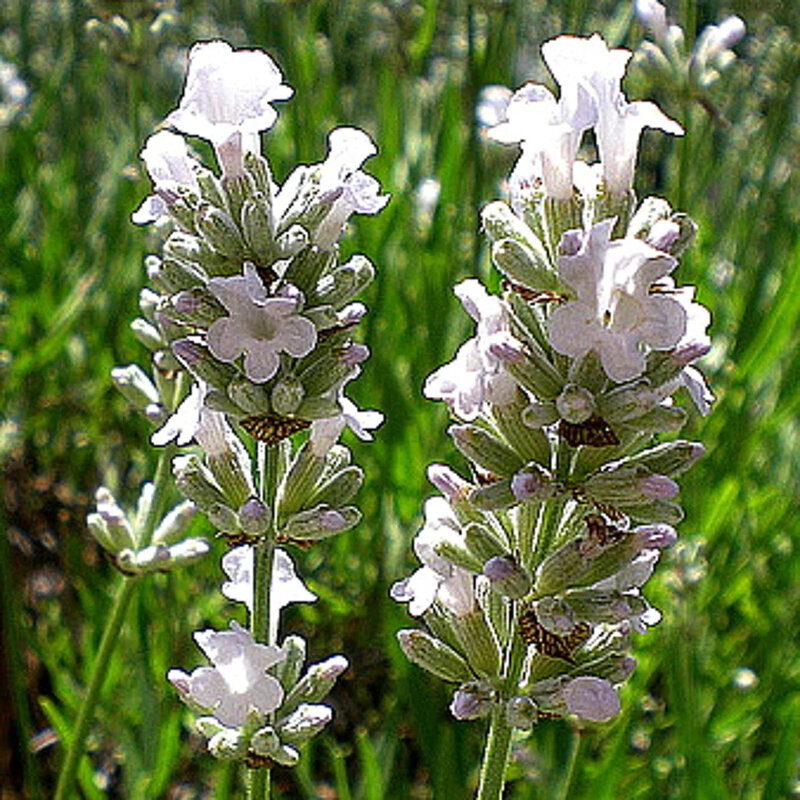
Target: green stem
(268, 459)
(572, 760)
(498, 741)
(66, 777)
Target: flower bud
(485, 450)
(532, 483)
(538, 415)
(304, 722)
(340, 489)
(258, 229)
(343, 283)
(149, 301)
(223, 518)
(220, 231)
(135, 386)
(521, 713)
(478, 643)
(433, 656)
(483, 543)
(671, 458)
(286, 396)
(575, 404)
(530, 443)
(174, 524)
(288, 670)
(147, 334)
(500, 222)
(299, 481)
(319, 523)
(251, 397)
(228, 744)
(591, 698)
(472, 700)
(195, 481)
(316, 683)
(195, 306)
(254, 517)
(497, 495)
(507, 577)
(197, 359)
(523, 265)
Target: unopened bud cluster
(532, 566)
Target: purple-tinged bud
(531, 483)
(649, 537)
(352, 314)
(690, 352)
(472, 700)
(448, 482)
(507, 577)
(355, 354)
(196, 358)
(508, 349)
(571, 243)
(575, 404)
(663, 235)
(254, 517)
(658, 487)
(304, 722)
(316, 683)
(592, 699)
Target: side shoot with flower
(532, 565)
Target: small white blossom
(590, 64)
(437, 579)
(344, 186)
(476, 375)
(258, 325)
(171, 169)
(549, 130)
(286, 586)
(229, 92)
(615, 312)
(238, 682)
(325, 432)
(184, 423)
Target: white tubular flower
(171, 169)
(550, 132)
(344, 185)
(286, 586)
(592, 699)
(476, 375)
(237, 683)
(437, 579)
(325, 432)
(184, 423)
(694, 344)
(229, 92)
(259, 326)
(590, 64)
(614, 312)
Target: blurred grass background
(712, 711)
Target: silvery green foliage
(563, 406)
(250, 317)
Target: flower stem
(268, 460)
(66, 777)
(498, 741)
